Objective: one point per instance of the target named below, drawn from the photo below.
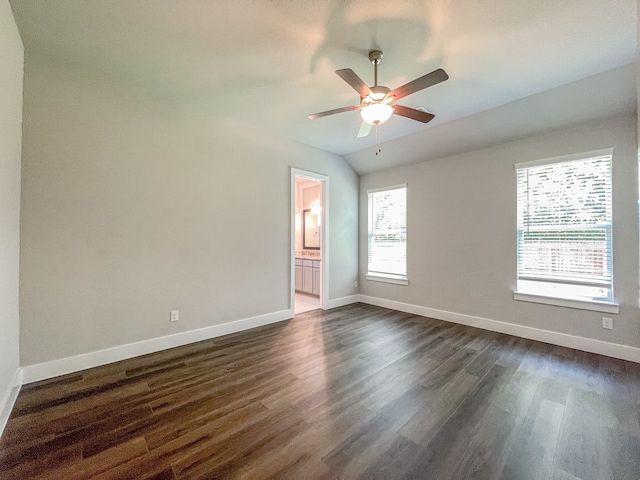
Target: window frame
(608, 306)
(379, 276)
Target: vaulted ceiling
(515, 66)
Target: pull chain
(378, 149)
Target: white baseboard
(342, 301)
(624, 352)
(8, 399)
(54, 368)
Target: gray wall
(11, 60)
(461, 242)
(134, 206)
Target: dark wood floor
(358, 391)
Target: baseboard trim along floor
(42, 371)
(8, 400)
(623, 352)
(63, 366)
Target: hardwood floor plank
(300, 455)
(78, 434)
(355, 454)
(354, 392)
(393, 460)
(440, 404)
(447, 369)
(621, 453)
(442, 455)
(65, 398)
(32, 389)
(531, 456)
(86, 469)
(579, 449)
(633, 378)
(559, 474)
(496, 430)
(166, 474)
(39, 465)
(219, 457)
(238, 413)
(305, 466)
(146, 467)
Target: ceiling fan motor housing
(378, 95)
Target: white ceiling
(270, 63)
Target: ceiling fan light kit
(376, 103)
(376, 113)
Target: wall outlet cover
(175, 315)
(607, 323)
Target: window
(564, 228)
(387, 239)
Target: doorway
(309, 241)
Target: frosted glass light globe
(376, 113)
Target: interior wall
(134, 206)
(461, 244)
(11, 71)
(309, 195)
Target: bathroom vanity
(308, 275)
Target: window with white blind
(387, 239)
(564, 228)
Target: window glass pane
(564, 229)
(388, 232)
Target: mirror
(310, 231)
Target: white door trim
(324, 235)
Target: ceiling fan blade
(365, 128)
(413, 113)
(313, 116)
(355, 81)
(419, 83)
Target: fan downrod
(375, 56)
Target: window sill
(569, 303)
(380, 277)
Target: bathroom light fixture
(316, 208)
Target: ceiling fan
(376, 103)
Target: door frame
(324, 236)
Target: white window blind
(387, 240)
(564, 229)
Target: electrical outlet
(355, 284)
(175, 315)
(607, 322)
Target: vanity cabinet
(315, 289)
(307, 279)
(298, 275)
(308, 276)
